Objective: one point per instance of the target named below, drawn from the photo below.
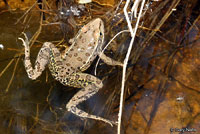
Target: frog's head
(98, 28)
(94, 25)
(93, 32)
(98, 25)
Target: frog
(68, 66)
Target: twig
(133, 33)
(118, 6)
(2, 72)
(13, 74)
(26, 12)
(135, 8)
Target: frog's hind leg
(89, 89)
(42, 58)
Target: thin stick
(13, 74)
(135, 7)
(8, 65)
(118, 6)
(26, 12)
(133, 33)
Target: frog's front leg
(90, 86)
(109, 60)
(42, 58)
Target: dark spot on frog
(58, 63)
(67, 64)
(77, 77)
(69, 55)
(75, 55)
(87, 54)
(90, 89)
(88, 77)
(72, 68)
(57, 54)
(29, 66)
(86, 31)
(98, 82)
(85, 84)
(31, 72)
(79, 59)
(83, 40)
(89, 45)
(73, 109)
(27, 58)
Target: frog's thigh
(109, 60)
(85, 93)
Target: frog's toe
(25, 42)
(114, 123)
(111, 123)
(26, 38)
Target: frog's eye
(101, 33)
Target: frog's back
(84, 47)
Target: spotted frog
(67, 67)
